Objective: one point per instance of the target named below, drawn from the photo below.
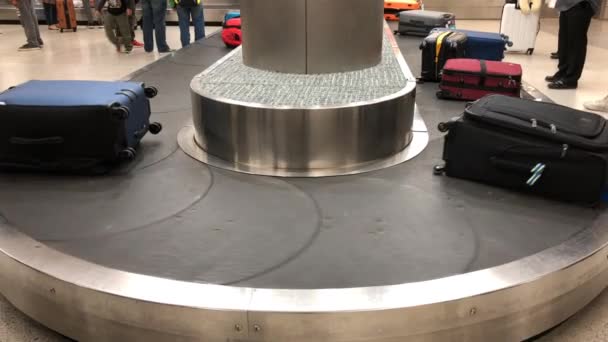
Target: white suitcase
(522, 29)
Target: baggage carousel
(169, 249)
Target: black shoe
(552, 78)
(554, 55)
(166, 51)
(29, 47)
(41, 43)
(561, 84)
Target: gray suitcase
(420, 22)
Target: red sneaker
(137, 44)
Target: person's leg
(562, 44)
(148, 25)
(47, 13)
(183, 16)
(30, 24)
(198, 19)
(86, 4)
(159, 7)
(580, 20)
(35, 22)
(53, 13)
(109, 24)
(124, 27)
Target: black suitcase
(421, 22)
(534, 147)
(437, 48)
(73, 126)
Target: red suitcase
(232, 34)
(472, 79)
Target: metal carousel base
(168, 249)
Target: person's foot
(562, 84)
(29, 47)
(128, 49)
(137, 43)
(53, 27)
(41, 43)
(167, 50)
(552, 78)
(597, 105)
(554, 55)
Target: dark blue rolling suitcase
(73, 126)
(487, 46)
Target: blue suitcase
(79, 126)
(487, 46)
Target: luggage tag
(537, 172)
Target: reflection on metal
(511, 302)
(312, 36)
(307, 139)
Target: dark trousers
(573, 28)
(154, 25)
(50, 12)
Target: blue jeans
(198, 20)
(50, 12)
(154, 12)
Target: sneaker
(128, 50)
(597, 105)
(562, 85)
(29, 47)
(166, 51)
(137, 44)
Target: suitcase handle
(39, 141)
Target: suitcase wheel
(530, 52)
(151, 92)
(439, 95)
(75, 29)
(61, 30)
(127, 154)
(438, 170)
(120, 112)
(155, 128)
(443, 127)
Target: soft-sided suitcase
(73, 126)
(472, 79)
(66, 15)
(231, 15)
(535, 147)
(392, 8)
(232, 34)
(420, 23)
(522, 29)
(488, 46)
(437, 48)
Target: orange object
(66, 15)
(392, 8)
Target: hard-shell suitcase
(472, 79)
(392, 8)
(420, 23)
(77, 126)
(534, 147)
(522, 29)
(437, 48)
(488, 46)
(66, 15)
(232, 34)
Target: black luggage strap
(484, 72)
(39, 141)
